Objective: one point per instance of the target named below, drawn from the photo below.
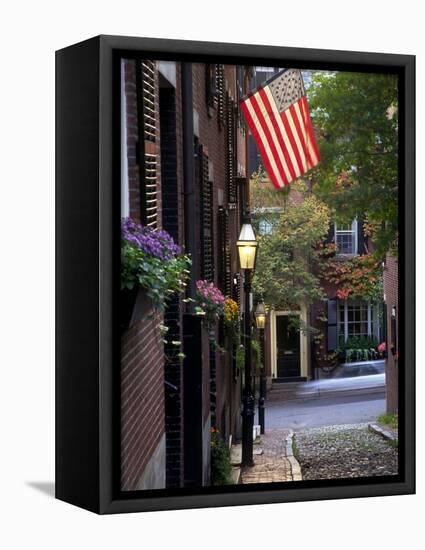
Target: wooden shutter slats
(151, 191)
(207, 209)
(148, 100)
(148, 128)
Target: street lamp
(247, 248)
(260, 315)
(260, 318)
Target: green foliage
(221, 469)
(390, 420)
(355, 117)
(262, 193)
(284, 276)
(240, 357)
(358, 348)
(160, 278)
(359, 342)
(258, 356)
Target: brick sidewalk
(272, 465)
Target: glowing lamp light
(260, 315)
(247, 246)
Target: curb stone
(309, 395)
(295, 465)
(386, 434)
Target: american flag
(278, 117)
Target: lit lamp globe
(247, 246)
(260, 315)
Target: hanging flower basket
(209, 301)
(153, 269)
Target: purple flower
(157, 243)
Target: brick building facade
(183, 169)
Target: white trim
(353, 231)
(125, 194)
(369, 319)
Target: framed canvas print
(235, 274)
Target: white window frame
(373, 327)
(353, 231)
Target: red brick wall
(391, 299)
(142, 351)
(142, 399)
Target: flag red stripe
(301, 134)
(306, 132)
(260, 145)
(279, 136)
(294, 146)
(270, 140)
(309, 126)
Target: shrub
(221, 469)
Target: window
(265, 227)
(346, 238)
(357, 318)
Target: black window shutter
(224, 244)
(207, 224)
(361, 239)
(220, 94)
(231, 151)
(211, 92)
(332, 311)
(331, 233)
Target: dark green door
(288, 348)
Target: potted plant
(232, 321)
(153, 268)
(209, 301)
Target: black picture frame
(86, 450)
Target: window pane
(357, 319)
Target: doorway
(288, 348)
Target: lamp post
(247, 248)
(260, 319)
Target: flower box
(135, 305)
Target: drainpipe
(188, 174)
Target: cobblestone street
(345, 451)
(273, 464)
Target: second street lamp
(247, 248)
(260, 319)
(260, 315)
